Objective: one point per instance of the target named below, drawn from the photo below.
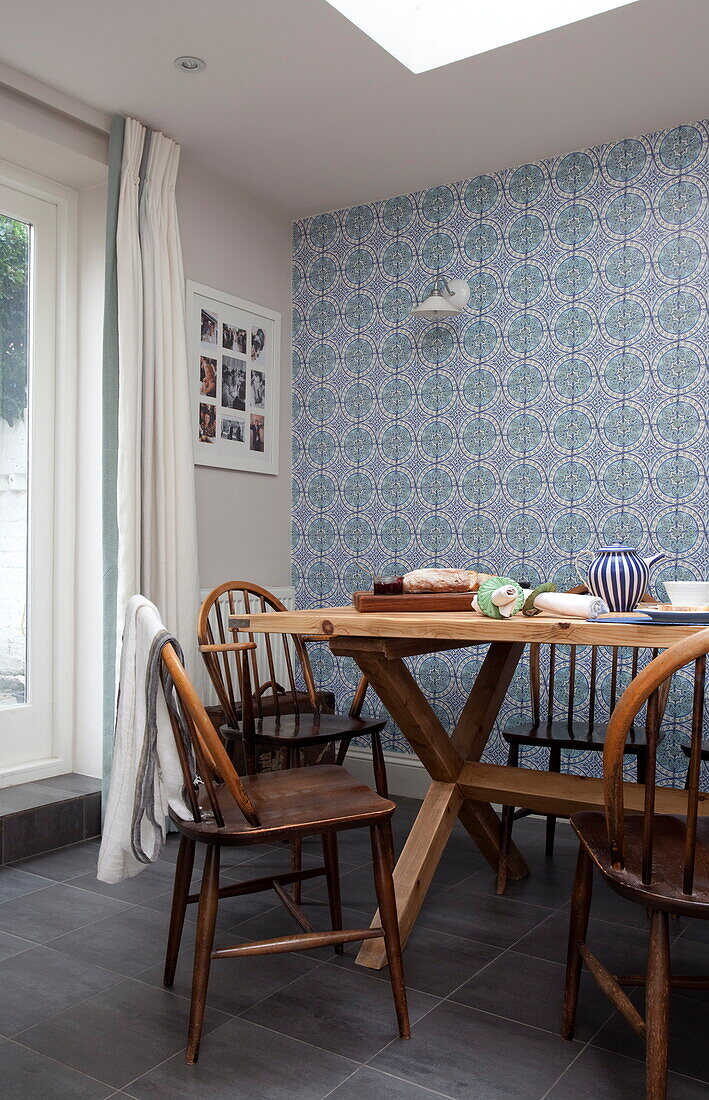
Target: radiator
(287, 596)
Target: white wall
(234, 244)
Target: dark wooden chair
(658, 861)
(267, 808)
(563, 731)
(285, 718)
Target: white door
(28, 368)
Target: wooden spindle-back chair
(265, 809)
(658, 861)
(283, 717)
(561, 727)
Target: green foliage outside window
(14, 284)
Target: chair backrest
(646, 688)
(617, 660)
(224, 666)
(189, 718)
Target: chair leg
(380, 768)
(183, 877)
(342, 750)
(292, 759)
(206, 921)
(332, 875)
(506, 823)
(503, 862)
(657, 1006)
(387, 911)
(554, 766)
(578, 923)
(296, 864)
(641, 765)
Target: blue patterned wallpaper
(565, 409)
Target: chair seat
(668, 858)
(309, 729)
(292, 802)
(565, 736)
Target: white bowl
(688, 593)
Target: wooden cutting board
(420, 601)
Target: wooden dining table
(463, 787)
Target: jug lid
(627, 549)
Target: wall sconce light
(450, 296)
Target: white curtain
(157, 525)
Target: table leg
(417, 864)
(470, 737)
(443, 758)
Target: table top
(462, 626)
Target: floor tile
(157, 878)
(234, 984)
(73, 782)
(689, 1025)
(13, 945)
(28, 1075)
(118, 1034)
(598, 1073)
(14, 883)
(43, 915)
(126, 943)
(433, 962)
(343, 1012)
(531, 991)
(548, 884)
(370, 1084)
(26, 796)
(40, 982)
(63, 863)
(496, 921)
(243, 1060)
(619, 949)
(471, 1055)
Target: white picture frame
(234, 349)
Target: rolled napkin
(576, 607)
(499, 598)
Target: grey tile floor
(83, 1013)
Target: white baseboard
(406, 774)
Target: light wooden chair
(658, 861)
(268, 808)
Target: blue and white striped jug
(618, 575)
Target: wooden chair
(658, 861)
(557, 733)
(283, 719)
(265, 809)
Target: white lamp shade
(456, 292)
(434, 307)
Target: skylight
(425, 34)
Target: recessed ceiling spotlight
(190, 64)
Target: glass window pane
(14, 343)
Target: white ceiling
(301, 109)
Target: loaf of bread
(444, 580)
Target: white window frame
(61, 617)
